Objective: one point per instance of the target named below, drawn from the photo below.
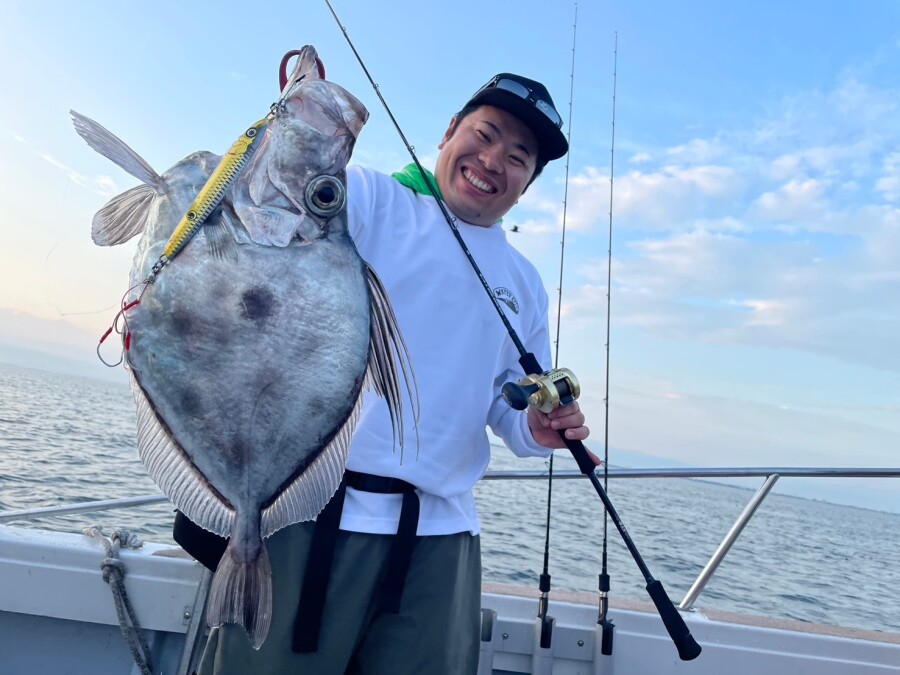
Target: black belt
(208, 548)
(321, 553)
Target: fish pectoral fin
(114, 148)
(219, 241)
(389, 358)
(123, 217)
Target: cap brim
(552, 143)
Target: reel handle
(517, 395)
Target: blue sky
(756, 213)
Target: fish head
(297, 180)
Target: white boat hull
(57, 616)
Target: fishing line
(544, 583)
(451, 220)
(678, 631)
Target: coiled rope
(114, 574)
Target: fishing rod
(608, 626)
(546, 390)
(544, 579)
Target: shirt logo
(505, 296)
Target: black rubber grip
(687, 646)
(606, 642)
(547, 624)
(579, 452)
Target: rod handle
(579, 452)
(687, 646)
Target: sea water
(67, 439)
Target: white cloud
(665, 199)
(766, 312)
(716, 287)
(660, 200)
(796, 200)
(101, 185)
(698, 150)
(822, 160)
(889, 183)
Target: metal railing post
(735, 531)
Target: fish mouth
(478, 183)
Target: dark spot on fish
(258, 304)
(182, 321)
(189, 401)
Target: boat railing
(770, 475)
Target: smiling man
(487, 159)
(502, 146)
(388, 579)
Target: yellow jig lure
(211, 194)
(209, 197)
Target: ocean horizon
(67, 364)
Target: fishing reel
(545, 392)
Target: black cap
(530, 102)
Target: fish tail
(241, 593)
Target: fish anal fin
(309, 492)
(172, 470)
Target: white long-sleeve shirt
(460, 351)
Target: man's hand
(545, 426)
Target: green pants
(435, 633)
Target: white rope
(114, 574)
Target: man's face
(485, 164)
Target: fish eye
(325, 195)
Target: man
(388, 579)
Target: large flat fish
(249, 351)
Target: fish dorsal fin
(114, 148)
(123, 216)
(173, 472)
